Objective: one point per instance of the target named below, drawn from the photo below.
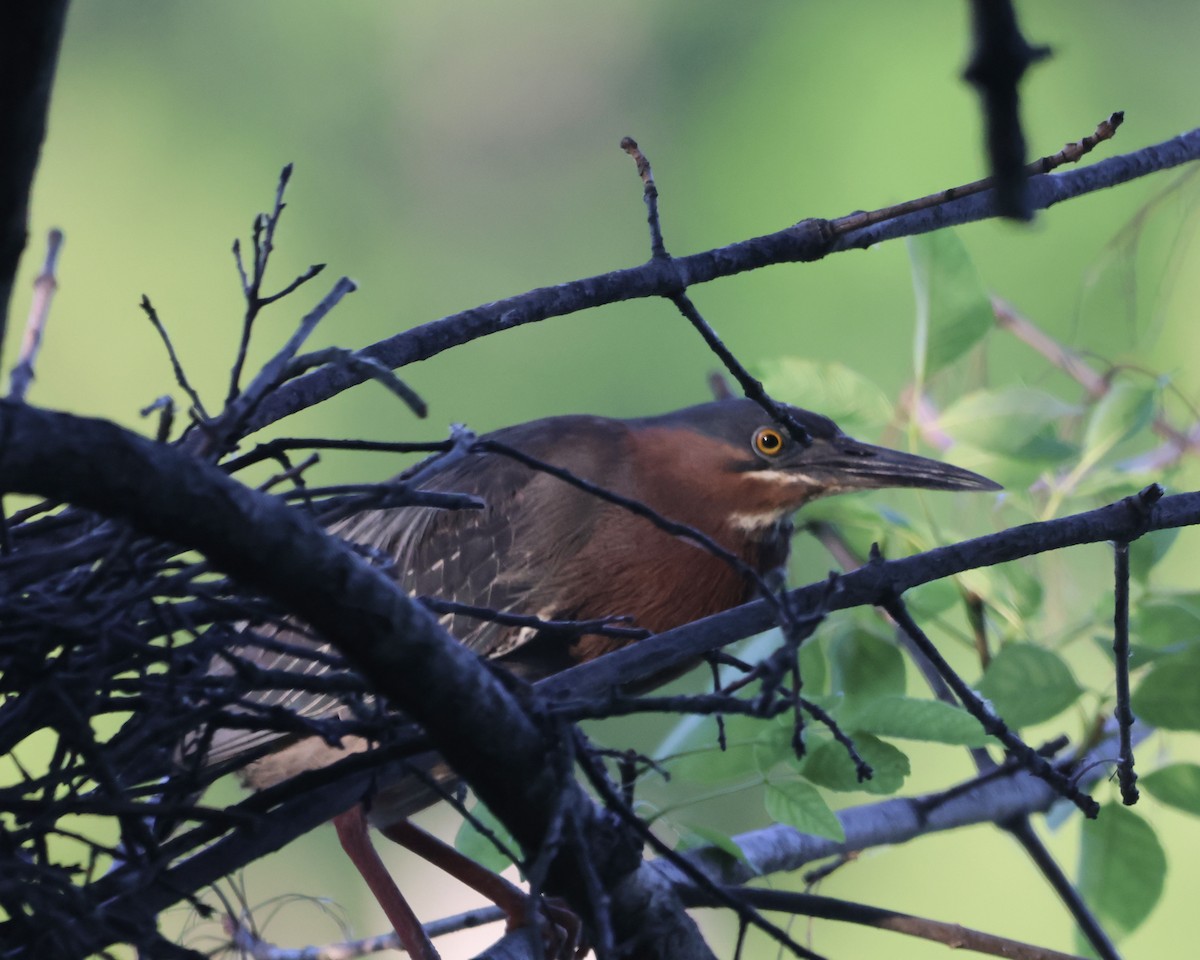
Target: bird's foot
(561, 928)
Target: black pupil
(769, 441)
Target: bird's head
(733, 455)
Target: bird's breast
(663, 581)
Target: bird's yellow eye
(768, 441)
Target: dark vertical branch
(999, 59)
(1124, 714)
(29, 45)
(1022, 830)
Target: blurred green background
(451, 154)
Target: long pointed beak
(843, 463)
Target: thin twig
(950, 934)
(1097, 385)
(166, 416)
(808, 240)
(253, 945)
(337, 356)
(987, 718)
(658, 250)
(44, 288)
(722, 897)
(263, 240)
(1022, 830)
(176, 366)
(273, 373)
(1068, 154)
(751, 385)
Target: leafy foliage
(1056, 451)
(1121, 867)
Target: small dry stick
(247, 941)
(39, 312)
(951, 934)
(1097, 385)
(1068, 154)
(176, 366)
(658, 249)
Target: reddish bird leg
(351, 829)
(517, 905)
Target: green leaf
(478, 847)
(1177, 784)
(912, 719)
(774, 744)
(953, 310)
(1122, 412)
(932, 598)
(1121, 867)
(1147, 550)
(1166, 620)
(1028, 684)
(692, 836)
(1010, 422)
(1167, 696)
(814, 667)
(853, 401)
(863, 666)
(829, 765)
(801, 805)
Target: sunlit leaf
(1121, 867)
(814, 667)
(855, 403)
(857, 520)
(801, 805)
(1168, 696)
(913, 719)
(1147, 550)
(1177, 784)
(1122, 412)
(953, 310)
(829, 765)
(774, 744)
(930, 599)
(1028, 684)
(1009, 422)
(1165, 620)
(863, 666)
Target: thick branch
(28, 54)
(780, 848)
(806, 241)
(470, 716)
(645, 658)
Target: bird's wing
(480, 558)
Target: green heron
(544, 547)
